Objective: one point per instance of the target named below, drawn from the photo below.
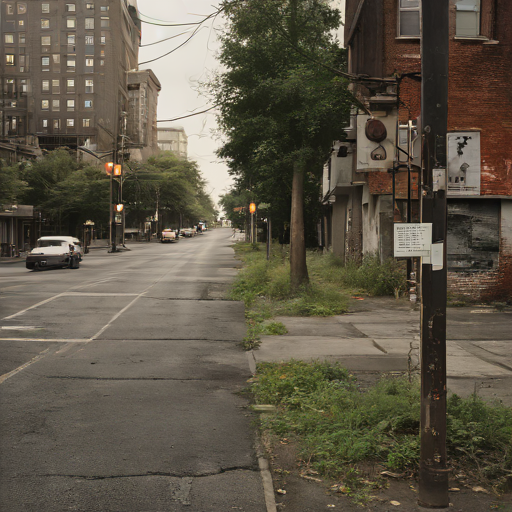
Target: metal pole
(433, 471)
(252, 228)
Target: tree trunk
(298, 268)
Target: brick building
(383, 41)
(65, 68)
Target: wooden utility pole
(433, 491)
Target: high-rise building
(64, 71)
(173, 139)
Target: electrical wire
(183, 117)
(180, 24)
(166, 39)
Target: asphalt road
(120, 380)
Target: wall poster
(463, 164)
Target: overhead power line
(183, 117)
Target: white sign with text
(412, 239)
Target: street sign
(412, 239)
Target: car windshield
(51, 243)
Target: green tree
(12, 186)
(281, 101)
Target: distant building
(65, 69)
(173, 139)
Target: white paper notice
(412, 240)
(437, 256)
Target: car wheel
(30, 266)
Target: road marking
(22, 312)
(19, 327)
(92, 294)
(49, 340)
(6, 376)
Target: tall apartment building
(64, 72)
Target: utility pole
(433, 489)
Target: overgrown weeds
(339, 426)
(264, 286)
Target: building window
(56, 124)
(89, 6)
(56, 58)
(103, 39)
(86, 123)
(89, 62)
(9, 9)
(45, 23)
(45, 61)
(88, 103)
(45, 85)
(45, 8)
(71, 39)
(22, 8)
(89, 40)
(409, 21)
(45, 104)
(46, 40)
(45, 123)
(9, 60)
(104, 8)
(71, 63)
(89, 86)
(71, 22)
(104, 22)
(89, 23)
(56, 86)
(70, 123)
(102, 62)
(56, 105)
(21, 38)
(9, 38)
(70, 85)
(21, 23)
(70, 8)
(70, 105)
(467, 18)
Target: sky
(181, 72)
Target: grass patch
(339, 426)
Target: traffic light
(108, 167)
(117, 170)
(252, 207)
(119, 207)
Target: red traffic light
(119, 207)
(108, 167)
(252, 207)
(117, 170)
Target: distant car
(168, 235)
(55, 252)
(188, 232)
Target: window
(56, 86)
(46, 40)
(89, 62)
(104, 22)
(102, 62)
(9, 9)
(86, 123)
(71, 39)
(21, 38)
(71, 63)
(9, 60)
(45, 23)
(45, 85)
(88, 103)
(56, 58)
(45, 8)
(103, 39)
(70, 8)
(45, 104)
(467, 22)
(45, 123)
(56, 105)
(89, 23)
(9, 38)
(89, 40)
(56, 124)
(70, 84)
(89, 86)
(22, 8)
(71, 22)
(409, 24)
(70, 123)
(21, 23)
(104, 8)
(89, 6)
(45, 61)
(70, 105)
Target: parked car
(55, 252)
(168, 235)
(188, 232)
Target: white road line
(6, 376)
(49, 340)
(19, 313)
(92, 294)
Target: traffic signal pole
(433, 472)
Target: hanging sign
(412, 239)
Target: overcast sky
(181, 71)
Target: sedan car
(54, 252)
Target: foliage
(236, 200)
(340, 425)
(281, 100)
(12, 187)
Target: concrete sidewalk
(381, 335)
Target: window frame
(401, 10)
